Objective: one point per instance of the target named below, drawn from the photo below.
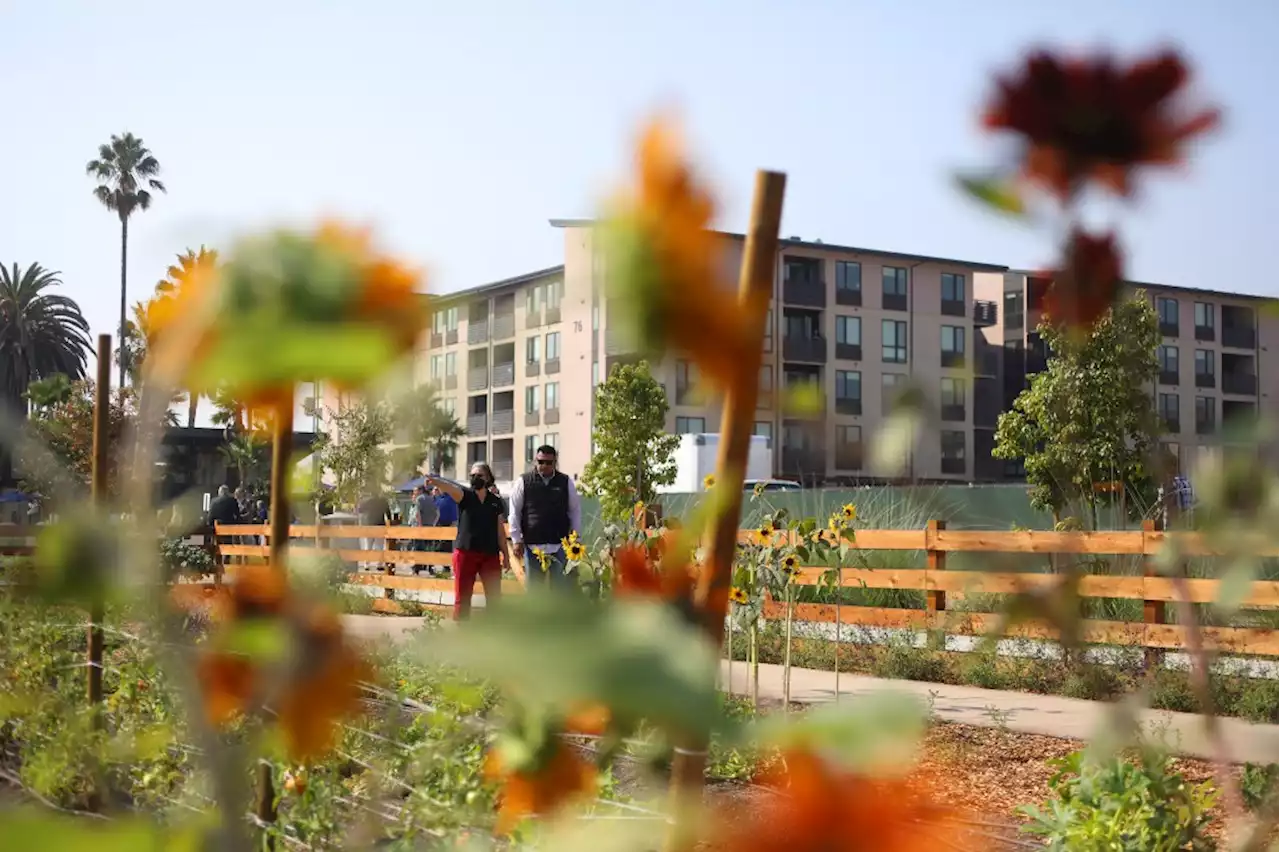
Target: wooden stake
(98, 494)
(755, 290)
(281, 447)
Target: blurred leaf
(803, 399)
(263, 639)
(892, 444)
(877, 735)
(1234, 585)
(76, 559)
(27, 829)
(635, 657)
(998, 193)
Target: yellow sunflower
(574, 551)
(765, 532)
(709, 481)
(738, 596)
(849, 512)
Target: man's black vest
(544, 514)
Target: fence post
(935, 600)
(1153, 612)
(98, 493)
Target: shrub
(1258, 784)
(180, 558)
(1118, 805)
(1258, 700)
(984, 669)
(905, 662)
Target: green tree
(353, 448)
(127, 174)
(41, 335)
(1088, 417)
(425, 431)
(633, 453)
(61, 460)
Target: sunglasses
(541, 462)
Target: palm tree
(127, 173)
(41, 335)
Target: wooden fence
(248, 542)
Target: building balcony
(811, 349)
(985, 313)
(450, 337)
(504, 422)
(451, 381)
(477, 425)
(849, 458)
(532, 319)
(849, 297)
(552, 315)
(1168, 377)
(504, 326)
(1205, 332)
(849, 351)
(952, 359)
(616, 343)
(952, 308)
(849, 405)
(478, 331)
(531, 418)
(552, 367)
(988, 363)
(804, 291)
(1242, 384)
(893, 301)
(954, 466)
(477, 378)
(953, 413)
(436, 341)
(1238, 337)
(503, 375)
(532, 368)
(1168, 329)
(551, 416)
(1206, 380)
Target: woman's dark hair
(488, 473)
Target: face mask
(478, 481)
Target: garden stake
(98, 494)
(786, 662)
(281, 443)
(755, 290)
(755, 664)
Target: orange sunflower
(561, 777)
(823, 809)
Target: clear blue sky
(459, 128)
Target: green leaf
(998, 193)
(262, 639)
(1234, 585)
(23, 828)
(877, 734)
(636, 657)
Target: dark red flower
(1087, 284)
(1091, 119)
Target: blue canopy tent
(408, 487)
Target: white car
(770, 485)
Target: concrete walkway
(1049, 715)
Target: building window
(890, 388)
(530, 447)
(893, 341)
(686, 381)
(437, 366)
(690, 425)
(1206, 414)
(894, 280)
(552, 439)
(848, 386)
(595, 373)
(849, 447)
(849, 330)
(1204, 368)
(595, 317)
(953, 451)
(1167, 311)
(1013, 310)
(764, 429)
(952, 393)
(451, 364)
(553, 396)
(766, 378)
(952, 287)
(1168, 358)
(953, 341)
(437, 322)
(553, 346)
(533, 350)
(531, 399)
(533, 299)
(446, 320)
(849, 276)
(1167, 407)
(555, 292)
(1204, 315)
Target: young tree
(61, 457)
(1088, 417)
(425, 431)
(354, 449)
(633, 452)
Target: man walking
(544, 510)
(425, 514)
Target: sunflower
(758, 490)
(765, 532)
(560, 777)
(849, 511)
(574, 551)
(790, 566)
(635, 577)
(709, 481)
(738, 596)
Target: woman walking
(480, 548)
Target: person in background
(480, 549)
(224, 509)
(373, 511)
(545, 509)
(448, 516)
(425, 514)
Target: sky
(458, 129)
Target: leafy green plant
(1258, 784)
(1113, 804)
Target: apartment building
(518, 360)
(1217, 356)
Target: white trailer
(696, 457)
